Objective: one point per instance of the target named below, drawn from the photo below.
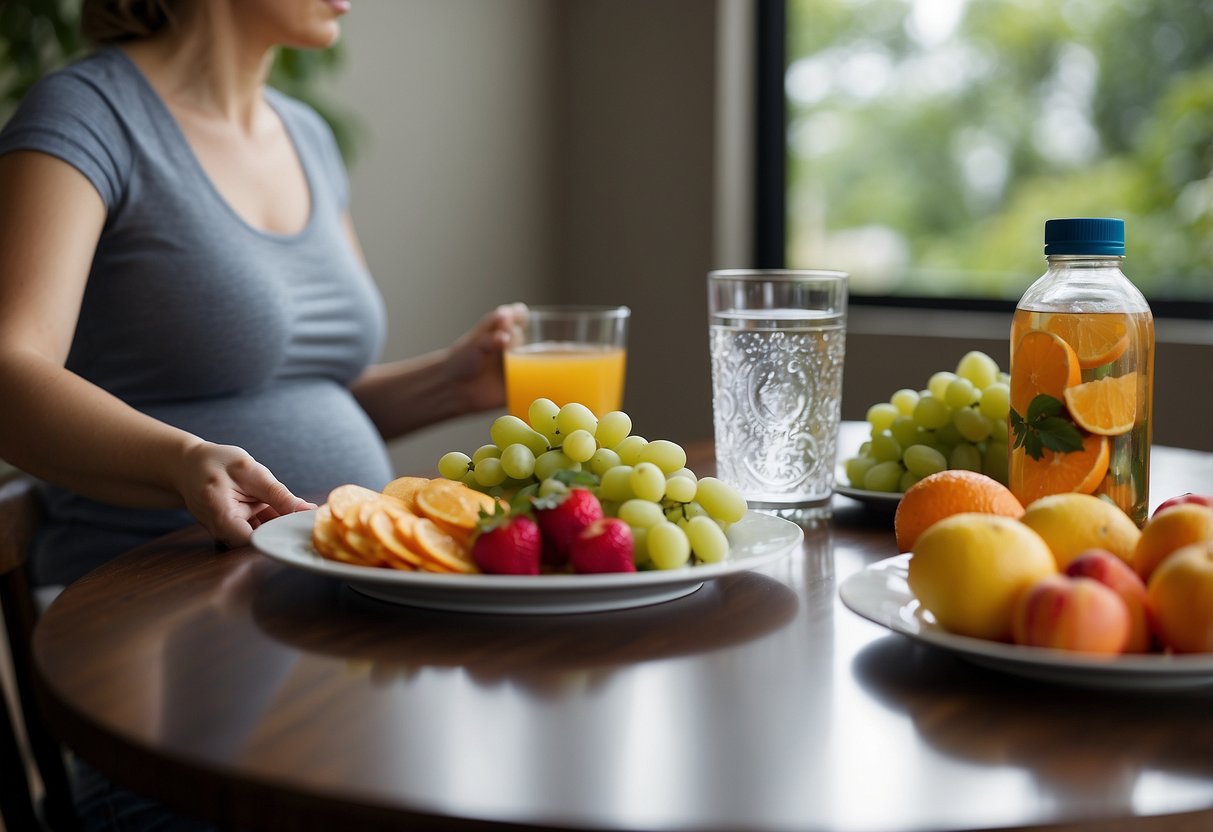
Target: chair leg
(58, 807)
(16, 807)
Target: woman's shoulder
(82, 113)
(101, 80)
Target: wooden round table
(263, 697)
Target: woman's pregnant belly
(310, 433)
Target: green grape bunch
(676, 517)
(959, 421)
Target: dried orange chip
(364, 547)
(1107, 406)
(1059, 472)
(453, 503)
(324, 535)
(1097, 339)
(405, 489)
(440, 549)
(383, 528)
(346, 498)
(1041, 363)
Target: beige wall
(540, 150)
(594, 150)
(452, 188)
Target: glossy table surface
(265, 697)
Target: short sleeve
(68, 116)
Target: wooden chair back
(20, 516)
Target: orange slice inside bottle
(1107, 406)
(1056, 472)
(1041, 363)
(1097, 339)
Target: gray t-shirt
(193, 316)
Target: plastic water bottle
(1082, 367)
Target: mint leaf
(1044, 406)
(1020, 427)
(1047, 427)
(1059, 435)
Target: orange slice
(383, 529)
(405, 489)
(1097, 339)
(453, 503)
(1041, 363)
(347, 498)
(1057, 473)
(324, 535)
(441, 551)
(1107, 406)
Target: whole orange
(945, 493)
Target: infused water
(1092, 430)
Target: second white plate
(875, 499)
(756, 540)
(879, 592)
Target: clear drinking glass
(569, 354)
(777, 341)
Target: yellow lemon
(1072, 523)
(969, 570)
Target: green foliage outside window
(929, 140)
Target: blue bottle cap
(1085, 235)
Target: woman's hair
(113, 21)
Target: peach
(1067, 613)
(1168, 531)
(1181, 597)
(1114, 573)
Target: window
(927, 141)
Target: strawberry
(603, 546)
(507, 544)
(562, 517)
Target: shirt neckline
(196, 164)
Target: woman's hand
(474, 363)
(230, 493)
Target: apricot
(1068, 613)
(1181, 597)
(1103, 566)
(1168, 531)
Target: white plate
(876, 499)
(756, 540)
(879, 592)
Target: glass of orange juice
(568, 354)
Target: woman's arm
(62, 428)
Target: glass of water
(777, 339)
